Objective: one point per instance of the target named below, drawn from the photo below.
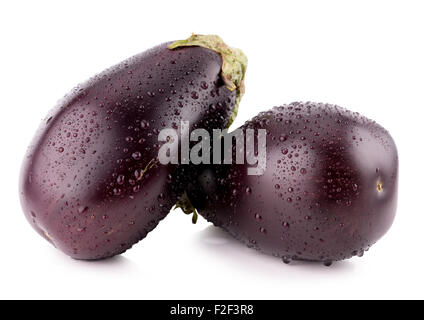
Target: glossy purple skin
(81, 185)
(329, 191)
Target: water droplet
(262, 230)
(120, 180)
(286, 225)
(328, 263)
(287, 259)
(194, 95)
(61, 149)
(258, 216)
(144, 124)
(303, 171)
(137, 174)
(83, 210)
(248, 190)
(136, 155)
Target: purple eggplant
(91, 183)
(328, 193)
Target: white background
(367, 56)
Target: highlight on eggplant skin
(90, 182)
(329, 191)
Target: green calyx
(234, 64)
(185, 204)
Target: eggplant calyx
(185, 204)
(234, 63)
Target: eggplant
(329, 190)
(91, 183)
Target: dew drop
(287, 259)
(120, 180)
(136, 155)
(194, 95)
(262, 230)
(204, 85)
(144, 124)
(83, 210)
(328, 263)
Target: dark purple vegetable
(329, 191)
(91, 183)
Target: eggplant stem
(187, 207)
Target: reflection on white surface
(223, 244)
